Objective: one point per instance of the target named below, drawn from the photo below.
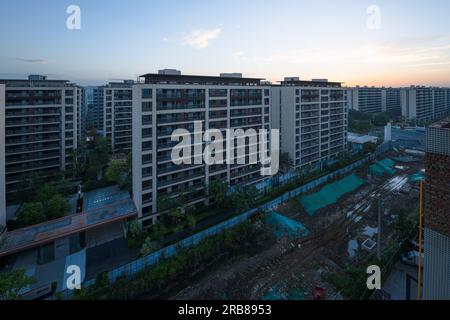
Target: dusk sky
(267, 39)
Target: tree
(12, 283)
(251, 194)
(116, 171)
(99, 156)
(149, 246)
(45, 193)
(218, 190)
(191, 222)
(380, 119)
(238, 200)
(56, 207)
(158, 231)
(32, 213)
(134, 229)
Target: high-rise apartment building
(2, 158)
(425, 103)
(436, 280)
(366, 99)
(392, 101)
(117, 123)
(375, 100)
(41, 128)
(312, 117)
(168, 101)
(97, 110)
(81, 113)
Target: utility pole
(380, 216)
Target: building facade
(97, 110)
(375, 100)
(313, 119)
(117, 110)
(168, 101)
(2, 158)
(436, 280)
(425, 103)
(41, 128)
(393, 104)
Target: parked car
(412, 258)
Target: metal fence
(130, 269)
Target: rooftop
(100, 206)
(295, 81)
(225, 79)
(361, 139)
(443, 124)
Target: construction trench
(328, 241)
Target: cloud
(38, 61)
(238, 55)
(200, 38)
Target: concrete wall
(2, 156)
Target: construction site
(320, 238)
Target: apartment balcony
(31, 157)
(178, 118)
(180, 106)
(218, 93)
(245, 122)
(173, 168)
(179, 179)
(31, 139)
(32, 166)
(32, 148)
(32, 130)
(246, 113)
(32, 121)
(310, 115)
(32, 112)
(242, 102)
(218, 103)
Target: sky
(395, 43)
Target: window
(46, 253)
(146, 93)
(147, 106)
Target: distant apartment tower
(2, 158)
(168, 101)
(97, 110)
(375, 100)
(41, 128)
(425, 103)
(436, 281)
(81, 113)
(312, 117)
(117, 112)
(392, 101)
(366, 99)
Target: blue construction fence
(132, 268)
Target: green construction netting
(380, 168)
(330, 193)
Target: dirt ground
(336, 235)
